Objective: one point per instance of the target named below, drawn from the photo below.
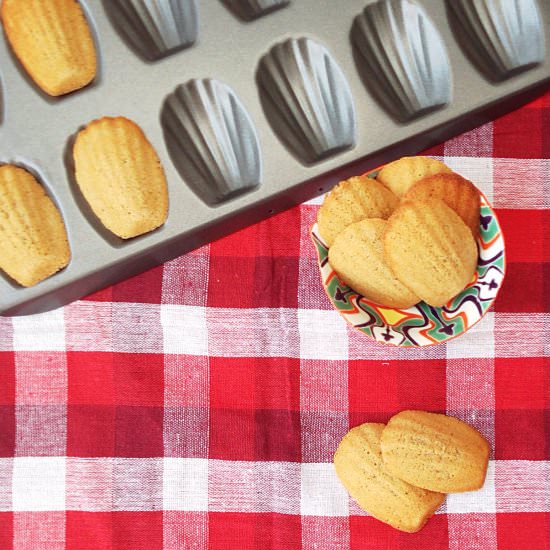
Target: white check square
(185, 484)
(38, 484)
(184, 329)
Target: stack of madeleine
(409, 235)
(401, 472)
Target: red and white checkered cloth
(199, 405)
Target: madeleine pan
(257, 105)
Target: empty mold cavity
(307, 99)
(402, 58)
(252, 9)
(211, 140)
(155, 29)
(501, 37)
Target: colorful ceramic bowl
(423, 325)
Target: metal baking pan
(257, 105)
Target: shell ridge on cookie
(121, 177)
(359, 465)
(34, 237)
(53, 42)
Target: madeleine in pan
(420, 324)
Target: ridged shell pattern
(212, 140)
(307, 99)
(402, 57)
(33, 238)
(251, 9)
(155, 28)
(53, 41)
(502, 36)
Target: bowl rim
(371, 175)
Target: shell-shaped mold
(155, 28)
(252, 9)
(212, 140)
(503, 37)
(402, 58)
(307, 99)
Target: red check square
(520, 435)
(137, 530)
(520, 383)
(231, 281)
(7, 378)
(262, 435)
(138, 432)
(7, 431)
(115, 378)
(518, 134)
(244, 282)
(276, 282)
(518, 297)
(90, 430)
(139, 379)
(90, 378)
(387, 387)
(254, 531)
(89, 531)
(524, 235)
(255, 383)
(528, 531)
(145, 288)
(367, 533)
(6, 530)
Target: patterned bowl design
(423, 325)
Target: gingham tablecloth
(199, 404)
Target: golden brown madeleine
(430, 250)
(359, 465)
(33, 240)
(353, 200)
(52, 40)
(457, 192)
(357, 256)
(121, 177)
(435, 452)
(400, 174)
